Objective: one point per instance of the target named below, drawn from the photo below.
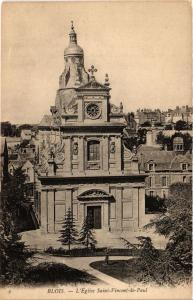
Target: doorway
(94, 216)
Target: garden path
(83, 264)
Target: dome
(73, 49)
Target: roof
(73, 49)
(164, 160)
(178, 140)
(94, 85)
(46, 120)
(15, 163)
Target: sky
(145, 47)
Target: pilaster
(106, 216)
(81, 157)
(105, 154)
(118, 155)
(51, 212)
(119, 208)
(44, 211)
(141, 192)
(68, 199)
(68, 156)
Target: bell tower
(74, 73)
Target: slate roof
(164, 160)
(46, 120)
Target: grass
(131, 271)
(57, 273)
(124, 270)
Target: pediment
(93, 194)
(93, 85)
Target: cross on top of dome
(72, 25)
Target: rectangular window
(184, 167)
(164, 181)
(150, 181)
(151, 193)
(93, 150)
(151, 167)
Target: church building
(83, 162)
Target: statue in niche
(75, 148)
(112, 147)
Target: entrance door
(94, 215)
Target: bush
(55, 273)
(81, 252)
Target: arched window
(93, 150)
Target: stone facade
(83, 163)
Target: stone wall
(123, 211)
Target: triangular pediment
(93, 85)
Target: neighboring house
(179, 113)
(4, 159)
(28, 170)
(13, 142)
(164, 168)
(26, 134)
(27, 151)
(149, 115)
(13, 165)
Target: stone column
(68, 199)
(105, 154)
(135, 201)
(81, 151)
(80, 110)
(44, 211)
(81, 213)
(51, 212)
(106, 216)
(141, 193)
(68, 156)
(119, 208)
(118, 154)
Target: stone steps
(108, 239)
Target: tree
(176, 224)
(154, 204)
(68, 232)
(141, 136)
(168, 127)
(13, 254)
(146, 124)
(15, 189)
(86, 234)
(173, 264)
(181, 125)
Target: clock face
(93, 110)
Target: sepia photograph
(96, 150)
